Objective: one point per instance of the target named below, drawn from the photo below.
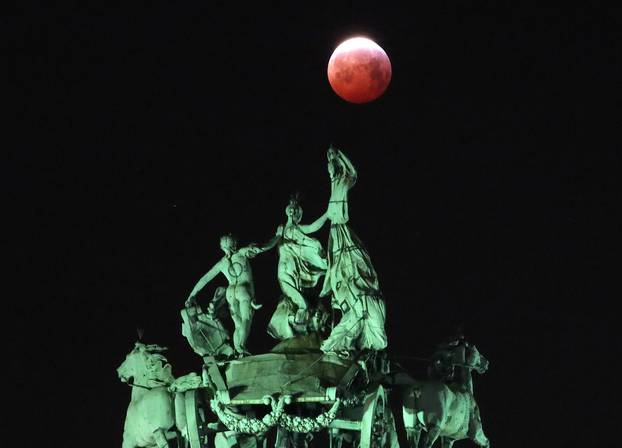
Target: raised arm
(315, 225)
(348, 168)
(205, 280)
(250, 251)
(273, 241)
(339, 165)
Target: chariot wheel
(378, 424)
(196, 418)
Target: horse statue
(157, 405)
(444, 406)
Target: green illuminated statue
(156, 412)
(301, 265)
(342, 385)
(351, 279)
(444, 405)
(204, 331)
(240, 293)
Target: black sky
(487, 194)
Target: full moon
(359, 71)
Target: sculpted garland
(313, 380)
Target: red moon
(359, 71)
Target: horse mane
(156, 364)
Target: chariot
(290, 395)
(312, 384)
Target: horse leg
(180, 413)
(413, 435)
(160, 438)
(476, 433)
(481, 439)
(431, 435)
(181, 441)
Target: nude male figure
(240, 294)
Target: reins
(146, 387)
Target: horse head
(145, 366)
(473, 359)
(459, 354)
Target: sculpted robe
(351, 277)
(301, 265)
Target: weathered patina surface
(329, 372)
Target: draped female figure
(301, 265)
(351, 279)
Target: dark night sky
(488, 183)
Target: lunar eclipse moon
(359, 70)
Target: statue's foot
(343, 354)
(302, 315)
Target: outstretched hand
(211, 309)
(253, 251)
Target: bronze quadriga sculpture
(335, 380)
